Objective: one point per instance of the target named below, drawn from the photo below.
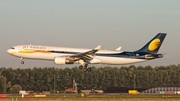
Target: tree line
(44, 79)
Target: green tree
(8, 86)
(16, 89)
(148, 67)
(42, 79)
(2, 84)
(1, 69)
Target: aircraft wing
(86, 56)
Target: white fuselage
(50, 53)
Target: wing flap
(86, 56)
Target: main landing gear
(22, 62)
(85, 68)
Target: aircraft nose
(11, 51)
(8, 50)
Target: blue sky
(87, 24)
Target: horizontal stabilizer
(153, 56)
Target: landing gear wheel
(80, 67)
(84, 70)
(22, 62)
(85, 67)
(89, 69)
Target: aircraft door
(132, 55)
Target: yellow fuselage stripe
(36, 51)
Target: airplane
(63, 55)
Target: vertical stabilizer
(153, 45)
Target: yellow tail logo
(154, 44)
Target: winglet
(118, 49)
(98, 47)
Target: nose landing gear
(22, 62)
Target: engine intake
(62, 60)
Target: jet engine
(62, 60)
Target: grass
(86, 99)
(96, 98)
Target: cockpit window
(12, 48)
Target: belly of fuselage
(118, 60)
(43, 56)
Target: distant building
(157, 90)
(162, 90)
(122, 89)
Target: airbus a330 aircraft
(62, 55)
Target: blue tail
(153, 45)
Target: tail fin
(153, 45)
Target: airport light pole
(54, 84)
(134, 81)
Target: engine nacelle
(62, 60)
